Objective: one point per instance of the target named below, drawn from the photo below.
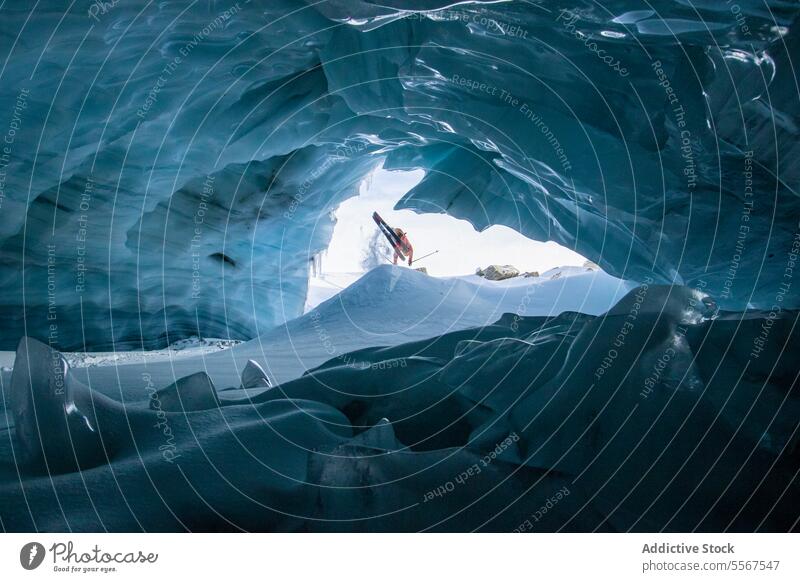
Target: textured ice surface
(172, 170)
(622, 421)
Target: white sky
(461, 248)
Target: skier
(406, 247)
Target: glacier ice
(52, 411)
(193, 392)
(168, 172)
(254, 376)
(645, 418)
(212, 145)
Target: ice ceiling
(168, 168)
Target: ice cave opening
(445, 246)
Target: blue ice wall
(655, 141)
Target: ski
(390, 235)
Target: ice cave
(172, 176)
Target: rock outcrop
(498, 272)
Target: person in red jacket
(406, 247)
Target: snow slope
(387, 306)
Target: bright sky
(461, 248)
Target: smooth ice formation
(194, 392)
(56, 423)
(170, 172)
(254, 376)
(629, 415)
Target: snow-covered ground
(387, 306)
(327, 285)
(185, 348)
(422, 378)
(392, 305)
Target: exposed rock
(530, 274)
(422, 270)
(498, 272)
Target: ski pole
(425, 256)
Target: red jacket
(407, 249)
